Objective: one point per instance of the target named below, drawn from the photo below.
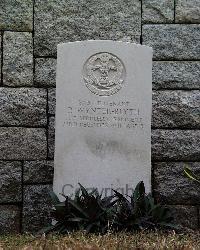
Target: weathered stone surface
(9, 219)
(38, 171)
(51, 137)
(51, 101)
(158, 11)
(62, 21)
(16, 15)
(176, 109)
(172, 186)
(176, 75)
(36, 208)
(17, 59)
(0, 55)
(23, 143)
(173, 41)
(99, 130)
(45, 72)
(10, 181)
(185, 216)
(187, 11)
(23, 107)
(178, 145)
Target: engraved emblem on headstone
(104, 74)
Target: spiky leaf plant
(87, 211)
(140, 212)
(91, 212)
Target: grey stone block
(36, 208)
(173, 41)
(176, 109)
(10, 181)
(51, 101)
(38, 171)
(45, 72)
(16, 15)
(0, 54)
(23, 107)
(9, 219)
(23, 143)
(178, 145)
(63, 21)
(185, 216)
(158, 11)
(17, 59)
(172, 186)
(51, 137)
(176, 75)
(187, 11)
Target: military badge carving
(104, 74)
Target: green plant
(188, 172)
(92, 213)
(87, 211)
(140, 212)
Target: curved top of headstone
(105, 42)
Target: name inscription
(103, 114)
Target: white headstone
(103, 116)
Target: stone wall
(29, 33)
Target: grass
(81, 241)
